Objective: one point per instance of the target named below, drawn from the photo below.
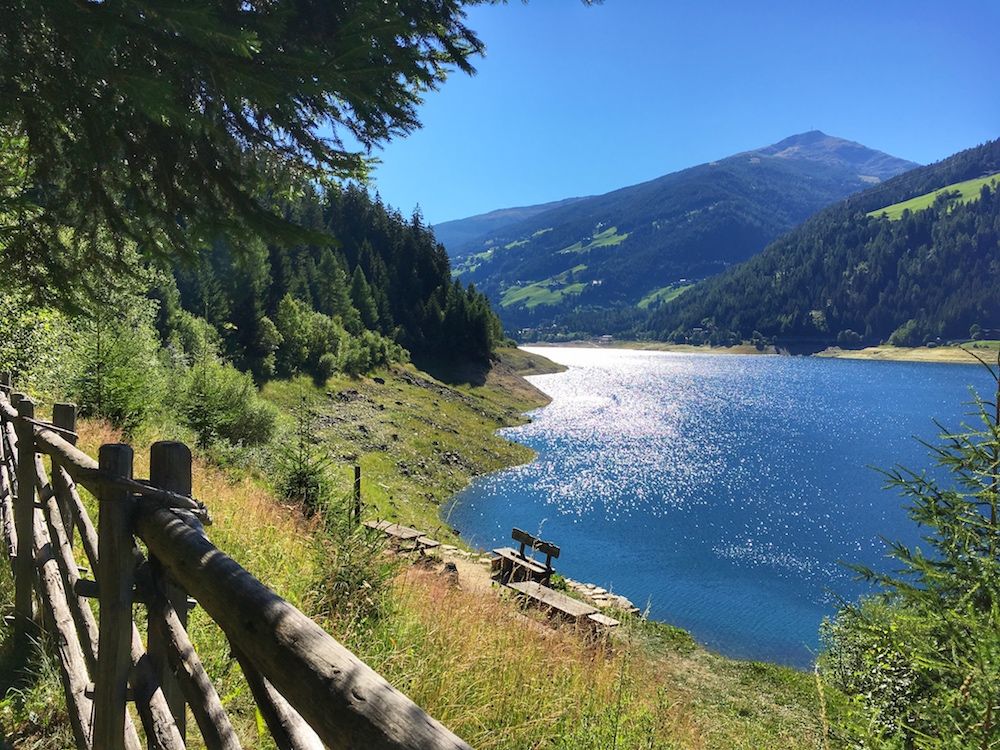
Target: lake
(721, 491)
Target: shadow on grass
(454, 372)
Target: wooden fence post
(357, 494)
(115, 576)
(64, 416)
(24, 514)
(169, 469)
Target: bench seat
(425, 542)
(603, 621)
(514, 557)
(572, 608)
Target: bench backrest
(527, 540)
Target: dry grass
(499, 678)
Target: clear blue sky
(574, 100)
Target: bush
(191, 338)
(848, 338)
(220, 402)
(325, 368)
(356, 574)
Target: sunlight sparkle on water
(711, 485)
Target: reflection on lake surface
(721, 490)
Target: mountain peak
(815, 145)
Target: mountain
(911, 261)
(642, 244)
(460, 232)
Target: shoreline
(939, 354)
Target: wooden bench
(404, 538)
(514, 565)
(554, 601)
(565, 607)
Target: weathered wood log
(216, 730)
(7, 501)
(24, 514)
(83, 616)
(346, 702)
(10, 415)
(169, 469)
(288, 730)
(64, 416)
(161, 729)
(72, 665)
(115, 571)
(66, 488)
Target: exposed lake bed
(724, 491)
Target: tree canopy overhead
(164, 124)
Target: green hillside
(633, 242)
(664, 294)
(549, 291)
(960, 191)
(852, 276)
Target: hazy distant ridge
(457, 232)
(609, 252)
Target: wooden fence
(311, 691)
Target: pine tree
(922, 659)
(364, 302)
(164, 126)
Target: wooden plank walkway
(395, 530)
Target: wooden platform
(564, 605)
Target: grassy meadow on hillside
(547, 292)
(967, 190)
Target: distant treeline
(380, 279)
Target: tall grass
(500, 678)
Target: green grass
(663, 294)
(472, 262)
(608, 238)
(968, 191)
(499, 679)
(417, 440)
(550, 291)
(528, 363)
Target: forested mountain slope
(380, 278)
(611, 251)
(853, 275)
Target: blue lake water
(722, 491)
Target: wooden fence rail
(311, 690)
